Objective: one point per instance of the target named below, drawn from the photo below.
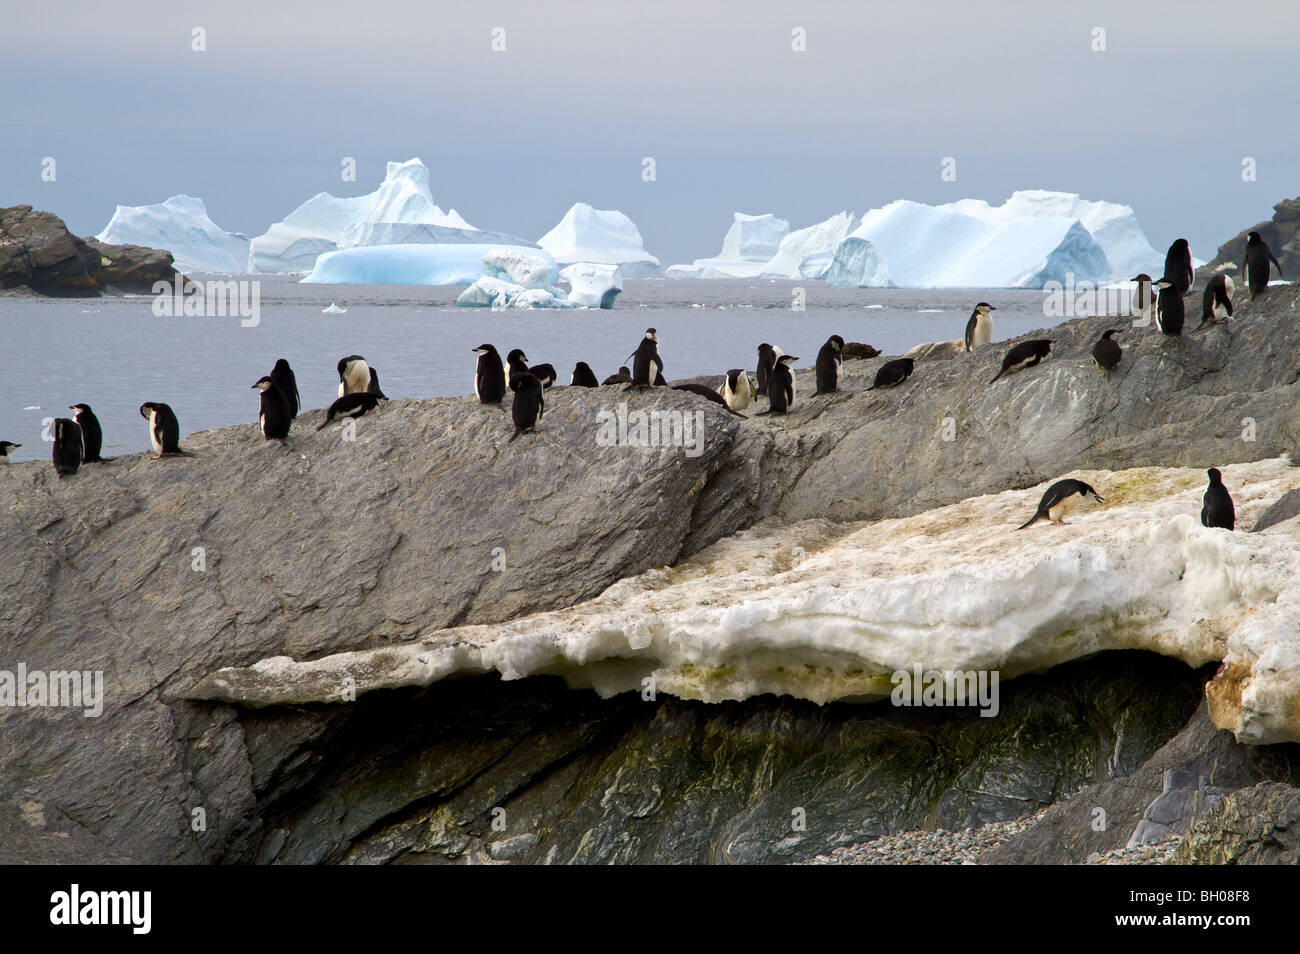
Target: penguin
(5, 447)
(829, 363)
(373, 386)
(276, 411)
(708, 394)
(647, 366)
(92, 436)
(1107, 352)
(1216, 302)
(1169, 307)
(489, 375)
(624, 376)
(353, 404)
(284, 379)
(517, 364)
(1216, 505)
(736, 389)
(583, 376)
(544, 373)
(1025, 355)
(979, 330)
(1143, 303)
(354, 375)
(1178, 266)
(893, 373)
(67, 446)
(1255, 268)
(767, 355)
(164, 429)
(528, 405)
(1060, 498)
(780, 386)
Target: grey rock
(1255, 825)
(1285, 508)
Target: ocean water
(114, 354)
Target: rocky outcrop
(1259, 825)
(38, 252)
(1282, 233)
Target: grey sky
(734, 118)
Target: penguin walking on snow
(5, 448)
(1178, 266)
(285, 380)
(1060, 498)
(1216, 302)
(780, 386)
(276, 413)
(979, 330)
(829, 362)
(528, 405)
(1216, 505)
(164, 429)
(736, 389)
(893, 373)
(1256, 266)
(1025, 355)
(489, 375)
(767, 355)
(92, 435)
(1170, 312)
(1107, 352)
(647, 366)
(67, 447)
(583, 376)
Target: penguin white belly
(1219, 311)
(1064, 508)
(153, 433)
(476, 394)
(261, 419)
(792, 389)
(342, 388)
(983, 332)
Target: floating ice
(181, 226)
(592, 285)
(856, 264)
(404, 264)
(807, 253)
(604, 237)
(333, 309)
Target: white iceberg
(1114, 226)
(603, 237)
(593, 285)
(525, 267)
(325, 222)
(181, 226)
(454, 264)
(807, 253)
(333, 309)
(488, 292)
(857, 264)
(750, 243)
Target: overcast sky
(734, 117)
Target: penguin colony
(79, 440)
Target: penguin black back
(780, 386)
(67, 446)
(285, 380)
(1216, 300)
(706, 393)
(766, 359)
(828, 365)
(353, 404)
(1059, 499)
(1178, 266)
(489, 375)
(1170, 312)
(275, 414)
(374, 388)
(893, 373)
(528, 405)
(92, 436)
(164, 429)
(1255, 268)
(624, 376)
(1025, 355)
(1216, 505)
(1107, 352)
(583, 376)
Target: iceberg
(602, 237)
(452, 264)
(807, 253)
(515, 278)
(325, 222)
(857, 264)
(180, 225)
(593, 285)
(750, 243)
(333, 309)
(1114, 227)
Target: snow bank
(592, 285)
(458, 264)
(326, 222)
(598, 236)
(827, 611)
(181, 226)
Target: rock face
(1259, 825)
(1282, 234)
(37, 251)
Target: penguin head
(1216, 478)
(651, 334)
(1111, 331)
(1253, 238)
(984, 308)
(147, 409)
(78, 408)
(764, 348)
(787, 359)
(5, 446)
(1143, 278)
(484, 349)
(517, 354)
(910, 362)
(836, 342)
(281, 366)
(1086, 490)
(264, 383)
(1181, 243)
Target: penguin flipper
(1036, 517)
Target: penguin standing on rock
(780, 386)
(489, 375)
(1170, 312)
(1216, 302)
(285, 380)
(979, 330)
(583, 376)
(647, 366)
(767, 355)
(92, 436)
(354, 375)
(528, 405)
(1216, 505)
(736, 389)
(829, 363)
(1178, 266)
(276, 413)
(5, 448)
(1256, 266)
(1107, 352)
(67, 447)
(1025, 355)
(893, 373)
(517, 364)
(1060, 498)
(164, 429)
(355, 404)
